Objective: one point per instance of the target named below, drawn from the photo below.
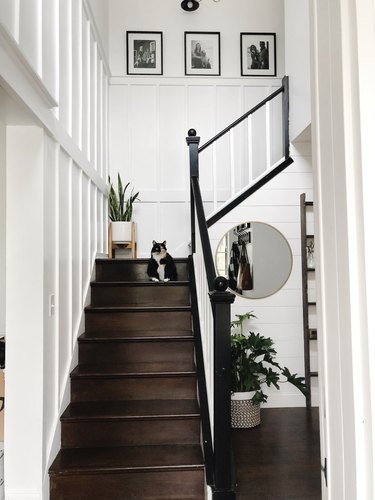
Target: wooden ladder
(310, 334)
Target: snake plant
(120, 208)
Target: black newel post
(285, 102)
(221, 302)
(193, 143)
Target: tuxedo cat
(161, 266)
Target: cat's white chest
(161, 267)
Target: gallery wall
(150, 115)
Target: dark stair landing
(132, 429)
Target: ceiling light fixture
(190, 5)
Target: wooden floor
(280, 459)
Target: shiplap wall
(52, 60)
(280, 315)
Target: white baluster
(250, 146)
(232, 167)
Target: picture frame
(202, 53)
(258, 54)
(144, 52)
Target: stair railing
(211, 305)
(211, 313)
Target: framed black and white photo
(144, 52)
(258, 54)
(202, 53)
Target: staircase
(132, 429)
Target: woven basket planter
(244, 413)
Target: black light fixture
(189, 5)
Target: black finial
(192, 132)
(220, 284)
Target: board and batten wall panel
(144, 136)
(50, 56)
(149, 120)
(76, 250)
(65, 65)
(171, 138)
(30, 32)
(57, 57)
(2, 225)
(65, 305)
(77, 72)
(50, 285)
(9, 16)
(24, 308)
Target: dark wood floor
(280, 459)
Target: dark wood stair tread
(150, 309)
(138, 334)
(118, 410)
(139, 283)
(151, 369)
(144, 260)
(135, 337)
(127, 458)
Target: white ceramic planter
(121, 231)
(240, 396)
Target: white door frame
(343, 107)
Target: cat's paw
(167, 279)
(154, 279)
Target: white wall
(297, 63)
(280, 315)
(100, 10)
(60, 173)
(168, 17)
(24, 314)
(2, 226)
(343, 110)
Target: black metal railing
(217, 442)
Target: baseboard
(285, 401)
(23, 495)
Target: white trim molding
(9, 45)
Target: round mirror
(255, 258)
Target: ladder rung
(313, 333)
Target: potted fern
(120, 210)
(254, 364)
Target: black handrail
(202, 387)
(205, 240)
(244, 116)
(225, 209)
(285, 87)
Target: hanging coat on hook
(245, 279)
